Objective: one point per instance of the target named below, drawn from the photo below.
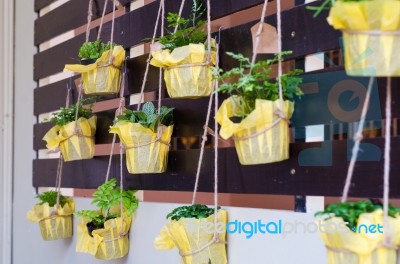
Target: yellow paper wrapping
(100, 77)
(73, 146)
(189, 234)
(54, 223)
(189, 81)
(369, 54)
(144, 153)
(361, 247)
(111, 242)
(254, 143)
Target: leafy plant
(50, 197)
(189, 30)
(197, 211)
(350, 211)
(149, 116)
(252, 82)
(93, 49)
(107, 197)
(327, 4)
(67, 114)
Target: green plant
(50, 197)
(327, 4)
(93, 49)
(67, 114)
(350, 211)
(107, 197)
(149, 116)
(193, 211)
(252, 82)
(189, 30)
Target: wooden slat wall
(313, 169)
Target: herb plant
(197, 211)
(67, 114)
(189, 30)
(327, 4)
(350, 211)
(106, 198)
(93, 49)
(50, 197)
(252, 82)
(149, 117)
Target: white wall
(27, 244)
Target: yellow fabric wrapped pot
(73, 146)
(256, 143)
(370, 41)
(362, 246)
(146, 151)
(111, 242)
(101, 77)
(189, 81)
(54, 223)
(189, 234)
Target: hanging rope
(358, 138)
(386, 172)
(89, 19)
(259, 31)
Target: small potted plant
(104, 232)
(55, 221)
(189, 229)
(370, 34)
(101, 71)
(74, 138)
(254, 116)
(353, 233)
(146, 136)
(184, 57)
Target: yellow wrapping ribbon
(146, 151)
(190, 81)
(256, 143)
(111, 242)
(368, 43)
(189, 234)
(100, 77)
(73, 147)
(54, 223)
(361, 247)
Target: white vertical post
(6, 127)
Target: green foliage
(253, 82)
(149, 117)
(193, 211)
(327, 4)
(67, 114)
(350, 211)
(107, 197)
(93, 49)
(189, 30)
(50, 197)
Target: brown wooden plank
(131, 31)
(287, 177)
(39, 4)
(68, 16)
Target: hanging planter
(104, 233)
(353, 233)
(254, 116)
(370, 35)
(73, 134)
(146, 136)
(101, 71)
(186, 60)
(190, 229)
(55, 221)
